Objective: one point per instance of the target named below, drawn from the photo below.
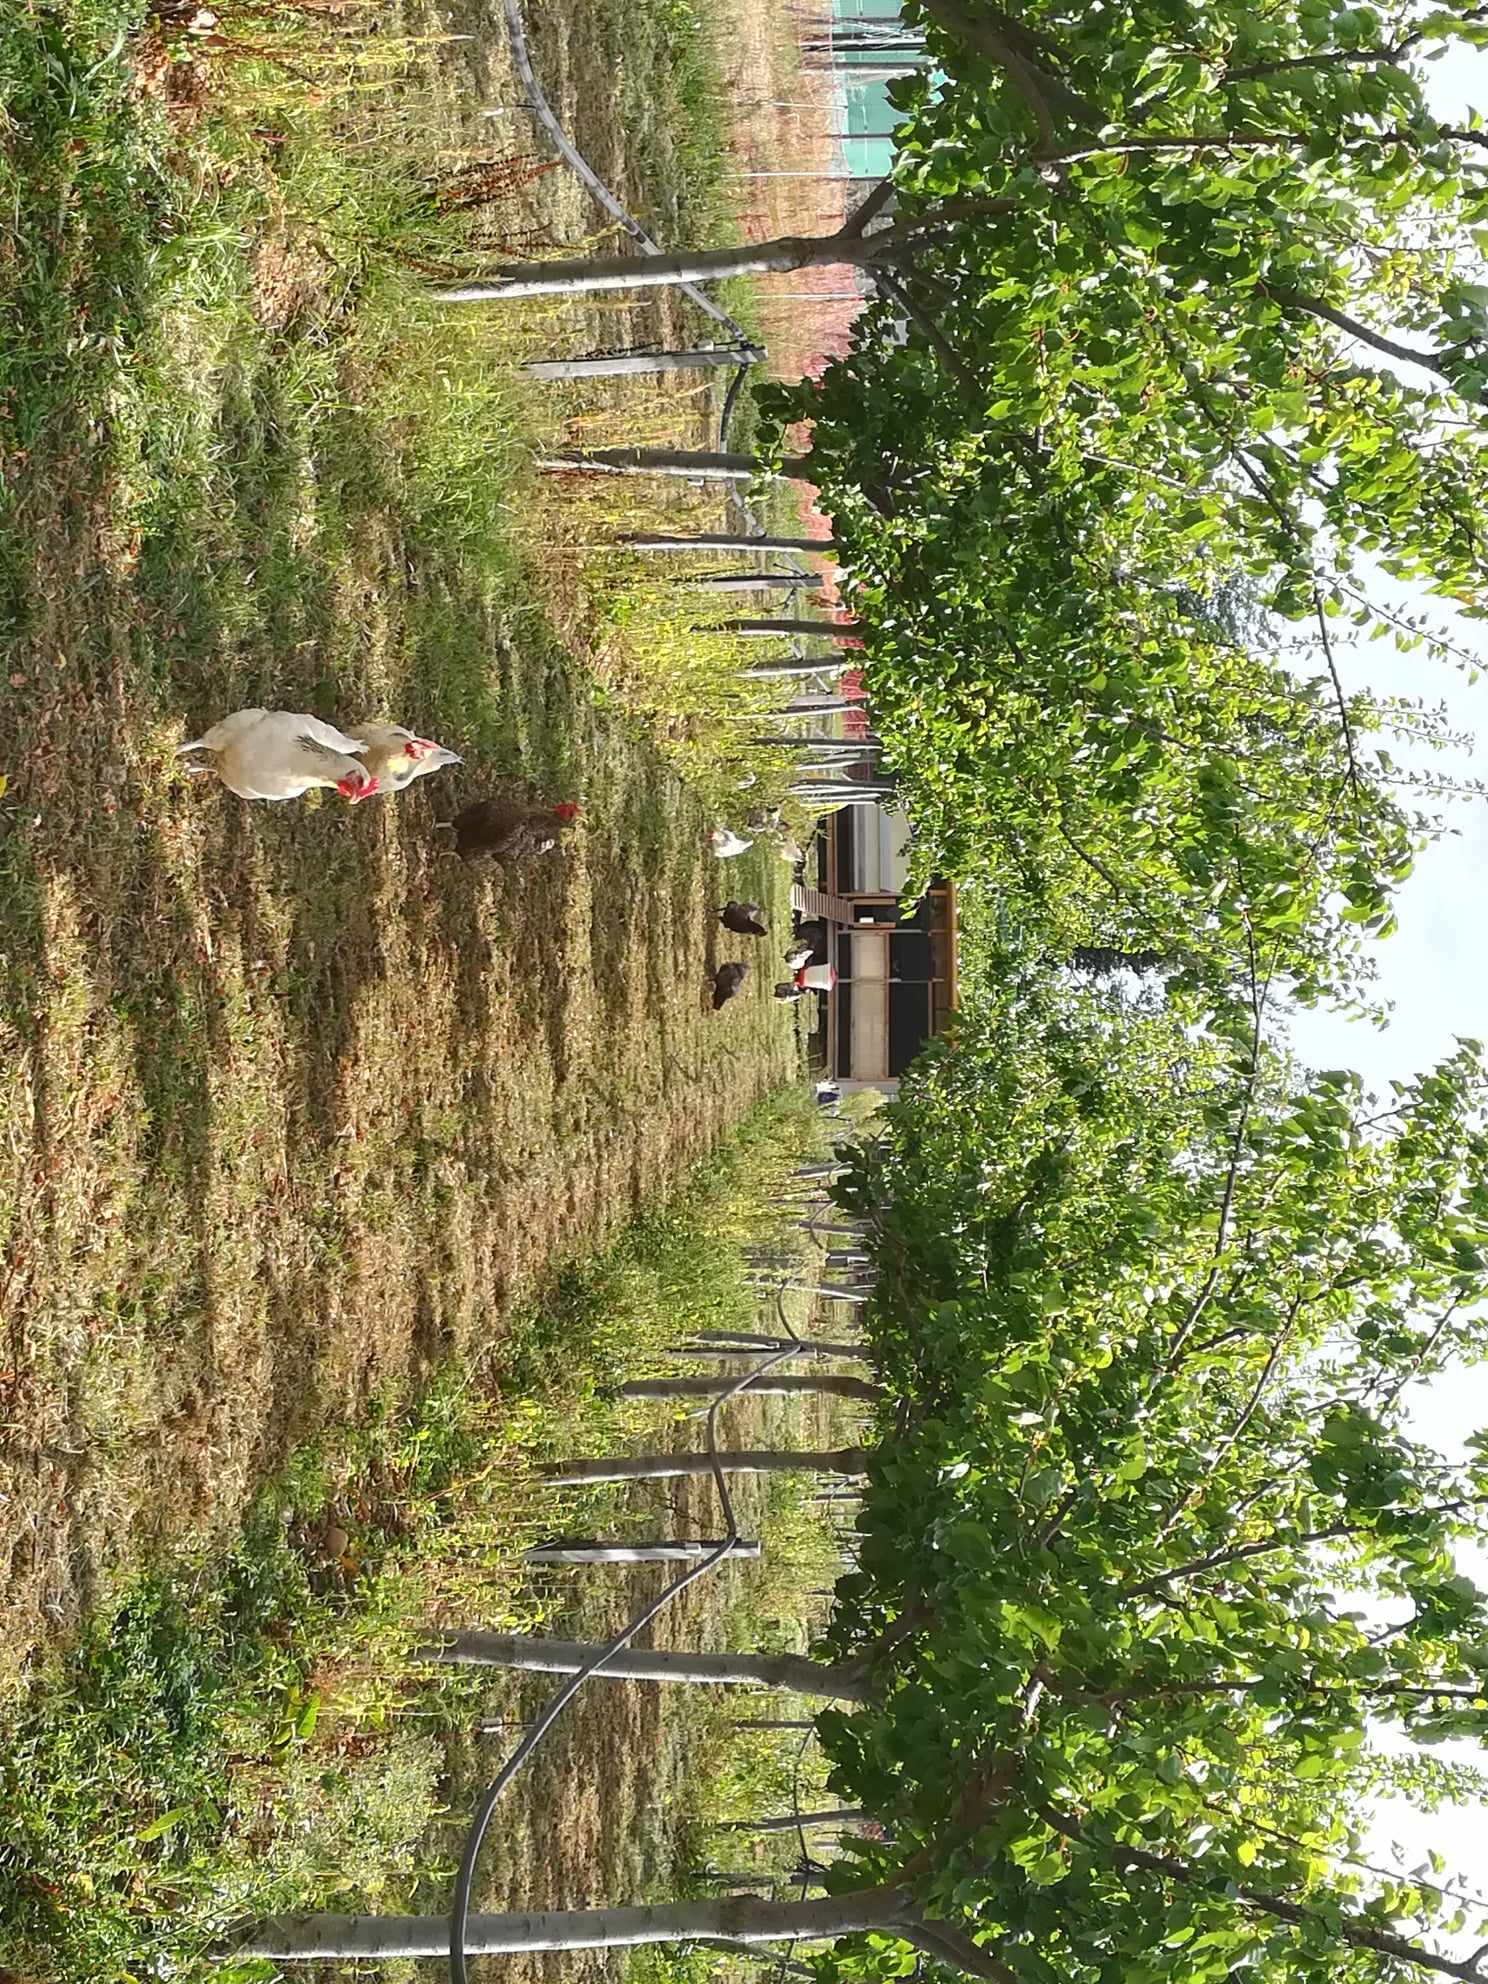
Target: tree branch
(1313, 306)
(1354, 1934)
(1237, 1150)
(1235, 1553)
(868, 209)
(1343, 715)
(1023, 58)
(1385, 56)
(1090, 861)
(1252, 1404)
(1191, 1690)
(950, 357)
(954, 1948)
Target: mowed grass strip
(246, 1728)
(292, 1105)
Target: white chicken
(396, 757)
(725, 844)
(278, 754)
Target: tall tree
(1162, 347)
(1154, 1549)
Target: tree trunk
(821, 704)
(680, 1550)
(845, 1815)
(862, 794)
(823, 741)
(770, 1386)
(706, 465)
(749, 581)
(671, 1467)
(854, 1353)
(511, 281)
(821, 1346)
(787, 1671)
(759, 630)
(721, 541)
(738, 1918)
(626, 363)
(827, 664)
(831, 1291)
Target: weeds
(245, 1733)
(293, 1107)
(294, 1112)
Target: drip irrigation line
(464, 1880)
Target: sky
(1434, 970)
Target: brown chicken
(506, 831)
(743, 918)
(726, 982)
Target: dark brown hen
(726, 982)
(506, 831)
(743, 918)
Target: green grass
(243, 1730)
(334, 1178)
(292, 1107)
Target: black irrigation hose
(460, 1906)
(729, 401)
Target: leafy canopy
(1152, 1553)
(1172, 253)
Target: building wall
(869, 1031)
(881, 846)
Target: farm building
(896, 971)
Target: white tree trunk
(828, 1385)
(697, 464)
(813, 703)
(739, 1918)
(721, 541)
(828, 1291)
(670, 1467)
(789, 1671)
(728, 582)
(680, 1550)
(853, 1353)
(760, 630)
(625, 364)
(827, 664)
(845, 750)
(844, 1815)
(510, 281)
